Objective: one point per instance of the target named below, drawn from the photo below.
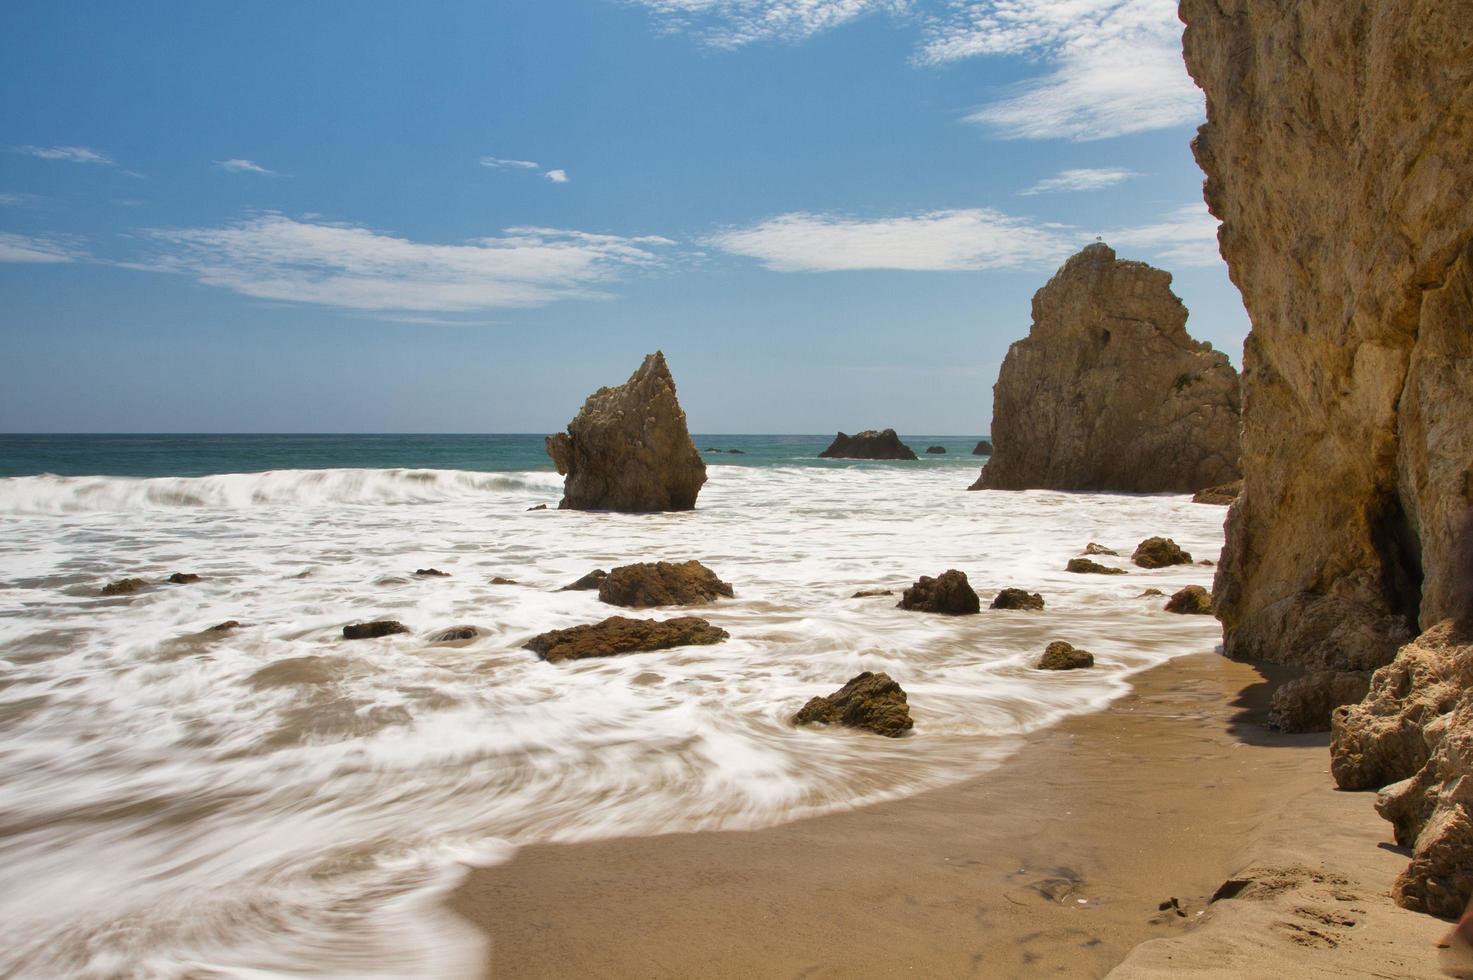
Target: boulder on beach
(1223, 496)
(1099, 549)
(869, 444)
(373, 630)
(587, 583)
(936, 450)
(1160, 553)
(872, 702)
(1083, 566)
(1017, 599)
(124, 586)
(1109, 392)
(949, 593)
(618, 634)
(984, 448)
(662, 583)
(629, 448)
(1065, 656)
(1191, 601)
(183, 578)
(1306, 703)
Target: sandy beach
(1056, 864)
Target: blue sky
(456, 216)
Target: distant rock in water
(1099, 549)
(662, 584)
(1195, 601)
(629, 448)
(1065, 656)
(587, 583)
(225, 627)
(871, 702)
(872, 593)
(1083, 566)
(936, 450)
(124, 586)
(1160, 553)
(869, 444)
(618, 634)
(183, 578)
(984, 448)
(503, 580)
(949, 593)
(1223, 496)
(538, 507)
(430, 573)
(455, 634)
(373, 630)
(1109, 392)
(1017, 599)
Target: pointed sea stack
(1109, 392)
(629, 448)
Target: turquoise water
(144, 455)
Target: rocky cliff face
(1339, 152)
(629, 448)
(1108, 391)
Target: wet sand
(1055, 864)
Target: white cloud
(497, 162)
(271, 256)
(1081, 180)
(244, 167)
(12, 199)
(734, 23)
(23, 248)
(940, 241)
(557, 176)
(72, 154)
(1186, 237)
(1116, 65)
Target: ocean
(275, 800)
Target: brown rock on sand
(1305, 704)
(949, 593)
(629, 448)
(662, 584)
(1109, 392)
(872, 702)
(618, 634)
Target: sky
(366, 216)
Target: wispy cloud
(1115, 65)
(24, 248)
(271, 256)
(938, 241)
(245, 167)
(734, 23)
(1080, 180)
(71, 154)
(1185, 237)
(557, 176)
(15, 199)
(498, 163)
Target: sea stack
(629, 449)
(869, 444)
(1339, 151)
(1109, 392)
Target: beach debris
(984, 448)
(587, 583)
(1060, 655)
(619, 634)
(1083, 566)
(1017, 599)
(373, 630)
(936, 450)
(662, 583)
(871, 702)
(183, 578)
(869, 444)
(872, 593)
(430, 573)
(1160, 553)
(1306, 703)
(949, 594)
(1098, 549)
(1193, 600)
(124, 586)
(629, 449)
(1221, 496)
(1172, 905)
(455, 634)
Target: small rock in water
(950, 594)
(538, 507)
(587, 583)
(431, 573)
(183, 578)
(872, 702)
(1083, 566)
(455, 634)
(1017, 599)
(1160, 553)
(872, 593)
(1191, 601)
(1099, 549)
(662, 583)
(373, 630)
(984, 448)
(869, 444)
(1065, 656)
(503, 580)
(936, 450)
(124, 586)
(618, 634)
(1150, 594)
(225, 627)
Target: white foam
(164, 815)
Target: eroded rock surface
(872, 702)
(629, 448)
(1306, 703)
(1109, 392)
(619, 634)
(1065, 656)
(949, 593)
(1193, 601)
(1160, 553)
(662, 583)
(870, 444)
(1223, 496)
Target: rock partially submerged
(662, 583)
(1099, 549)
(869, 444)
(1065, 656)
(1223, 496)
(373, 630)
(587, 583)
(872, 702)
(1083, 566)
(984, 448)
(183, 578)
(1160, 553)
(430, 573)
(949, 593)
(1191, 601)
(1017, 599)
(936, 450)
(629, 448)
(1109, 392)
(872, 593)
(124, 586)
(618, 634)
(455, 634)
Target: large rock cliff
(629, 448)
(1339, 152)
(1108, 391)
